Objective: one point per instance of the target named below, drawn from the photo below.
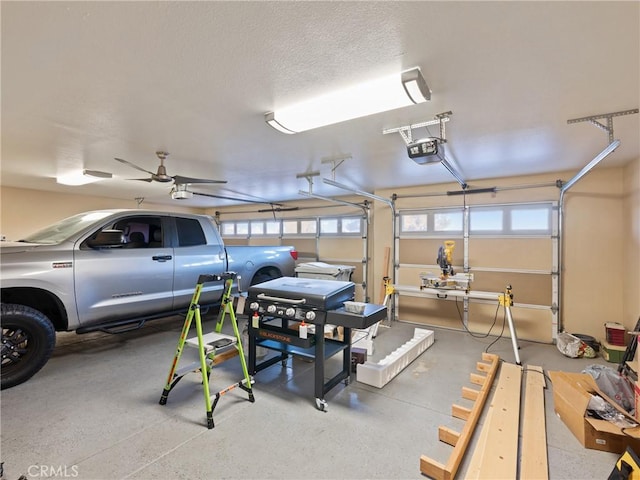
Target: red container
(615, 333)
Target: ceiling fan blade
(148, 180)
(182, 180)
(236, 199)
(133, 165)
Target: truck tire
(28, 338)
(265, 275)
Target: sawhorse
(213, 347)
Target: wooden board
(435, 469)
(470, 393)
(448, 436)
(473, 470)
(385, 273)
(500, 452)
(533, 460)
(460, 412)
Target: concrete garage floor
(93, 413)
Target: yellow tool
(445, 252)
(506, 299)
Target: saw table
(505, 299)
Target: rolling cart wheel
(321, 404)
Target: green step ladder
(214, 347)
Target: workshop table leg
(319, 369)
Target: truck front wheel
(28, 338)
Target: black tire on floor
(28, 339)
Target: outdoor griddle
(280, 309)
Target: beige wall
(23, 211)
(631, 252)
(594, 234)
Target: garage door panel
(429, 311)
(306, 247)
(347, 247)
(534, 289)
(515, 253)
(530, 324)
(410, 276)
(265, 241)
(424, 251)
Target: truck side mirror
(107, 238)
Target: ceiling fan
(161, 174)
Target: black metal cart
(281, 308)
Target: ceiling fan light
(181, 194)
(383, 94)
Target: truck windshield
(60, 231)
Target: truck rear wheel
(28, 338)
(265, 275)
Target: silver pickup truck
(112, 270)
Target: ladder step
(224, 356)
(192, 367)
(213, 341)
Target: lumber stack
(498, 450)
(459, 441)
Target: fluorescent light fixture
(386, 93)
(81, 177)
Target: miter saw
(447, 278)
(444, 258)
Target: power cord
(495, 318)
(504, 321)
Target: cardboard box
(571, 395)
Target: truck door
(130, 281)
(198, 251)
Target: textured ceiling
(84, 82)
